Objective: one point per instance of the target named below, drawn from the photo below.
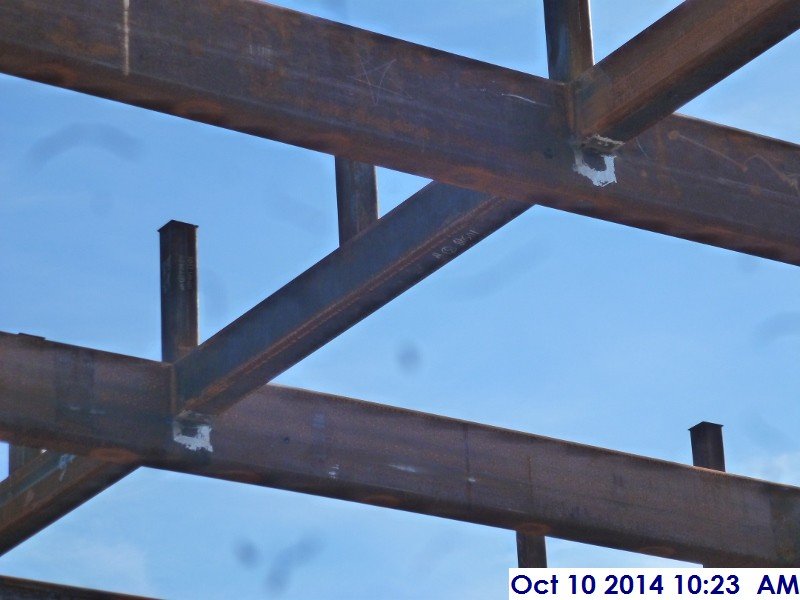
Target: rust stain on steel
(463, 471)
(675, 59)
(437, 114)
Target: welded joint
(192, 431)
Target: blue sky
(558, 325)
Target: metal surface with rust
(48, 487)
(83, 390)
(407, 244)
(179, 291)
(568, 29)
(51, 485)
(411, 251)
(708, 450)
(13, 588)
(678, 57)
(356, 197)
(531, 551)
(19, 455)
(363, 452)
(268, 71)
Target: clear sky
(558, 324)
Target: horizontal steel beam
(81, 388)
(13, 588)
(406, 245)
(677, 58)
(269, 71)
(363, 452)
(52, 484)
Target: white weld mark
(598, 178)
(404, 468)
(201, 440)
(524, 99)
(471, 479)
(63, 463)
(333, 472)
(126, 39)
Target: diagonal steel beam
(363, 452)
(406, 245)
(48, 487)
(268, 71)
(678, 57)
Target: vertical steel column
(531, 551)
(568, 30)
(179, 295)
(356, 197)
(707, 449)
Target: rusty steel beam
(677, 58)
(13, 588)
(81, 389)
(356, 197)
(406, 245)
(52, 484)
(363, 452)
(269, 71)
(48, 487)
(409, 243)
(19, 455)
(568, 29)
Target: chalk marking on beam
(524, 99)
(198, 439)
(404, 468)
(598, 178)
(63, 463)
